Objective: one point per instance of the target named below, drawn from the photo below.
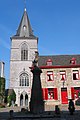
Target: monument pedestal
(36, 103)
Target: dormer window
(49, 62)
(73, 61)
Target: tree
(2, 89)
(11, 98)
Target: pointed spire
(24, 29)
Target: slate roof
(57, 60)
(24, 29)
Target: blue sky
(55, 22)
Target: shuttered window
(72, 92)
(50, 93)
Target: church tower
(24, 45)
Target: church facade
(23, 50)
(60, 76)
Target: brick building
(60, 78)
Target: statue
(36, 103)
(35, 62)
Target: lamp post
(63, 83)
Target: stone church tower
(23, 49)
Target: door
(21, 100)
(64, 96)
(26, 100)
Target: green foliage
(11, 97)
(77, 102)
(2, 85)
(2, 89)
(78, 94)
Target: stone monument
(36, 103)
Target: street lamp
(63, 83)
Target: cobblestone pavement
(64, 116)
(4, 115)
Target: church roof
(58, 60)
(24, 29)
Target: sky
(55, 22)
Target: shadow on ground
(48, 115)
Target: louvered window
(24, 52)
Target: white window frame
(62, 75)
(50, 76)
(76, 74)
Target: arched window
(24, 52)
(24, 79)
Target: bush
(11, 97)
(77, 102)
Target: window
(75, 92)
(49, 62)
(73, 61)
(49, 75)
(24, 79)
(50, 93)
(75, 74)
(24, 52)
(62, 75)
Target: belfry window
(24, 79)
(24, 52)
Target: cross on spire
(25, 4)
